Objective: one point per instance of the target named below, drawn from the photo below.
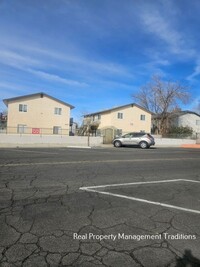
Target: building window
(57, 130)
(21, 128)
(120, 115)
(22, 108)
(198, 122)
(96, 117)
(142, 117)
(58, 111)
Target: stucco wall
(190, 120)
(131, 119)
(40, 113)
(13, 140)
(170, 142)
(105, 120)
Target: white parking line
(135, 183)
(94, 161)
(93, 189)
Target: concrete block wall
(13, 140)
(16, 140)
(172, 141)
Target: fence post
(88, 141)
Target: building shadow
(188, 260)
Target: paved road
(46, 220)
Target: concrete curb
(87, 147)
(40, 146)
(191, 146)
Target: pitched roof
(39, 95)
(116, 108)
(183, 112)
(175, 114)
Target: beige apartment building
(123, 119)
(38, 114)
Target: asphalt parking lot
(99, 207)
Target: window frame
(57, 111)
(23, 108)
(120, 115)
(21, 128)
(57, 130)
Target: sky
(95, 54)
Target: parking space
(180, 194)
(46, 220)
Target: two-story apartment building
(124, 119)
(38, 114)
(183, 118)
(186, 118)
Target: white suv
(144, 140)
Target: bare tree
(197, 107)
(162, 97)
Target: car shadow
(137, 146)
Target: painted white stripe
(135, 183)
(192, 181)
(96, 161)
(144, 201)
(93, 189)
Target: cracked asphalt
(46, 220)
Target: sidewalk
(191, 146)
(196, 146)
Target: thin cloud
(164, 29)
(16, 60)
(55, 78)
(42, 57)
(195, 73)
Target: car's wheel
(144, 145)
(117, 144)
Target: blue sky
(94, 54)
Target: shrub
(183, 131)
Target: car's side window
(127, 135)
(134, 134)
(138, 135)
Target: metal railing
(23, 130)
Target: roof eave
(6, 101)
(119, 107)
